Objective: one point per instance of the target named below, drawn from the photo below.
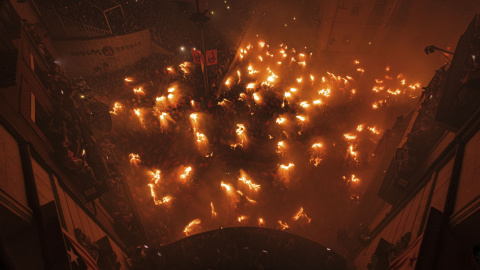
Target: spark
(241, 219)
(186, 172)
(228, 188)
(359, 128)
(248, 182)
(317, 145)
(325, 92)
(349, 136)
(117, 106)
(301, 118)
(304, 104)
(138, 91)
(128, 79)
(374, 130)
(261, 222)
(134, 159)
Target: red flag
(197, 56)
(211, 57)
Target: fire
(214, 214)
(301, 63)
(280, 120)
(361, 70)
(354, 179)
(301, 118)
(301, 214)
(359, 128)
(256, 97)
(251, 86)
(287, 167)
(293, 90)
(375, 105)
(227, 82)
(248, 182)
(304, 104)
(128, 79)
(261, 222)
(396, 92)
(134, 159)
(185, 174)
(317, 102)
(317, 145)
(251, 70)
(193, 225)
(299, 80)
(193, 120)
(117, 106)
(312, 78)
(261, 44)
(241, 132)
(287, 94)
(252, 201)
(228, 188)
(356, 62)
(184, 67)
(155, 176)
(280, 147)
(167, 199)
(352, 152)
(325, 92)
(201, 137)
(139, 91)
(261, 58)
(283, 225)
(241, 219)
(239, 76)
(349, 136)
(374, 130)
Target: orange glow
(359, 128)
(287, 167)
(251, 86)
(304, 104)
(228, 188)
(280, 120)
(139, 91)
(252, 201)
(261, 222)
(184, 66)
(227, 82)
(192, 226)
(256, 97)
(134, 159)
(301, 214)
(117, 106)
(374, 130)
(301, 118)
(241, 219)
(248, 182)
(317, 102)
(325, 92)
(214, 214)
(349, 136)
(283, 225)
(128, 79)
(185, 174)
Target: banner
(197, 56)
(211, 57)
(78, 256)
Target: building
(421, 210)
(63, 200)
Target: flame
(293, 90)
(248, 182)
(138, 91)
(283, 225)
(260, 57)
(299, 80)
(288, 94)
(301, 214)
(304, 104)
(356, 62)
(134, 159)
(256, 97)
(171, 90)
(349, 137)
(287, 167)
(167, 199)
(228, 188)
(261, 44)
(252, 201)
(250, 86)
(280, 120)
(317, 102)
(251, 70)
(359, 128)
(227, 82)
(214, 214)
(325, 92)
(170, 69)
(194, 224)
(241, 219)
(373, 130)
(239, 76)
(301, 118)
(117, 106)
(194, 120)
(184, 66)
(361, 70)
(261, 222)
(312, 78)
(185, 174)
(128, 79)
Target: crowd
(78, 115)
(239, 248)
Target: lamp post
(200, 19)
